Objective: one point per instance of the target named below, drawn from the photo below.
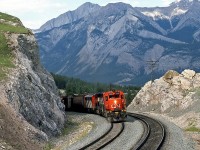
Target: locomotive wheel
(122, 119)
(101, 111)
(97, 111)
(105, 113)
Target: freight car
(111, 104)
(74, 102)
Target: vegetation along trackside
(73, 85)
(8, 24)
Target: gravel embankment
(176, 138)
(100, 126)
(130, 136)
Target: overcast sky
(34, 13)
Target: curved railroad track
(154, 133)
(115, 130)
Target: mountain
(120, 44)
(71, 16)
(31, 111)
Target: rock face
(30, 108)
(114, 43)
(175, 95)
(31, 111)
(31, 89)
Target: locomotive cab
(115, 105)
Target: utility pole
(152, 64)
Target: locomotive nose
(115, 104)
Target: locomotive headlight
(115, 101)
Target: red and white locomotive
(111, 104)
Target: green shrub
(7, 17)
(5, 57)
(170, 74)
(6, 24)
(69, 126)
(193, 129)
(48, 146)
(12, 29)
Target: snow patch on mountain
(177, 11)
(191, 18)
(159, 14)
(155, 14)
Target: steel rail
(107, 138)
(155, 138)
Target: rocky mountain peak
(70, 16)
(88, 5)
(119, 5)
(181, 2)
(184, 4)
(86, 9)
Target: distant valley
(120, 44)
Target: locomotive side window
(117, 96)
(110, 96)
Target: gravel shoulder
(86, 128)
(89, 127)
(176, 138)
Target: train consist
(111, 104)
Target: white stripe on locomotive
(88, 103)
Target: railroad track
(152, 139)
(154, 133)
(115, 130)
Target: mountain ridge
(119, 36)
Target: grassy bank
(192, 129)
(8, 24)
(5, 57)
(72, 132)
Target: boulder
(186, 84)
(188, 74)
(172, 91)
(169, 75)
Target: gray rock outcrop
(174, 95)
(31, 89)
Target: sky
(34, 13)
